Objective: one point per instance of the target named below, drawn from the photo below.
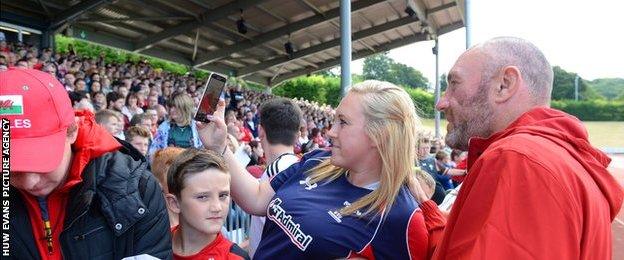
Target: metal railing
(237, 224)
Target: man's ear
(74, 135)
(510, 81)
(261, 132)
(172, 203)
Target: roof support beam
(421, 12)
(205, 18)
(440, 8)
(279, 32)
(450, 27)
(282, 19)
(130, 19)
(75, 11)
(312, 7)
(328, 45)
(45, 8)
(116, 42)
(357, 55)
(228, 71)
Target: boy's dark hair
(77, 80)
(76, 96)
(191, 161)
(455, 153)
(280, 119)
(113, 97)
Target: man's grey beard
(476, 126)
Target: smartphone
(210, 97)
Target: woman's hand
(213, 135)
(416, 190)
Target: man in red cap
(76, 191)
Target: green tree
(610, 88)
(378, 67)
(443, 83)
(311, 88)
(382, 67)
(324, 73)
(407, 76)
(563, 86)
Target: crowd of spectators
(152, 110)
(128, 94)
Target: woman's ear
(172, 203)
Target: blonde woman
(350, 201)
(179, 130)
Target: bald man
(536, 188)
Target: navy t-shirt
(303, 220)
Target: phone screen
(210, 98)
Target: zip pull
(47, 228)
(48, 236)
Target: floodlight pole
(436, 51)
(576, 88)
(345, 46)
(468, 22)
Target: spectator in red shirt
(536, 188)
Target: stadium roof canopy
(204, 33)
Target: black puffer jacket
(117, 211)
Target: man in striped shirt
(278, 132)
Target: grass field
(601, 134)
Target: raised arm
(249, 193)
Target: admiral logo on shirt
(278, 215)
(306, 182)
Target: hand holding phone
(210, 97)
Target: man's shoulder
(123, 170)
(526, 145)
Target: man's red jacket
(536, 190)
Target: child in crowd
(139, 137)
(443, 159)
(199, 186)
(161, 161)
(111, 121)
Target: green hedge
(423, 100)
(111, 55)
(592, 110)
(326, 90)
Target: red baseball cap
(40, 112)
